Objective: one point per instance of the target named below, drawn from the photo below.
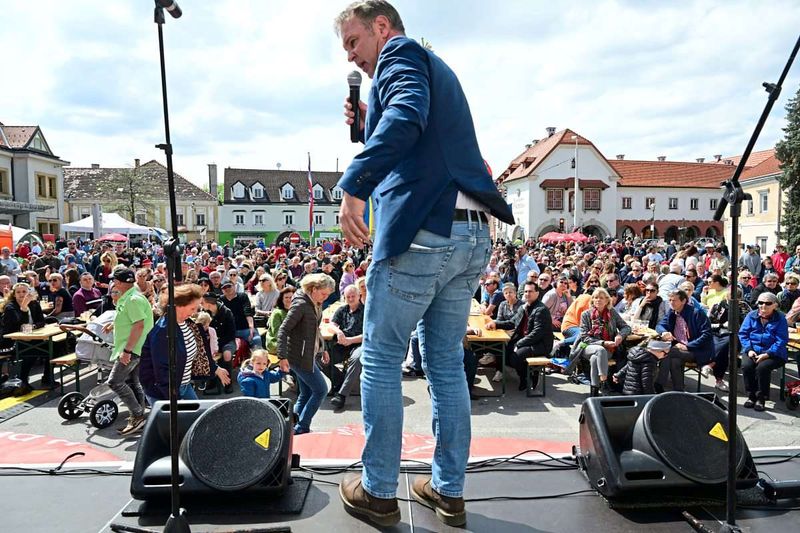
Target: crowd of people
(606, 298)
(594, 294)
(226, 295)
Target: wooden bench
(536, 374)
(69, 362)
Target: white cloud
(259, 82)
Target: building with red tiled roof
(760, 222)
(624, 198)
(31, 180)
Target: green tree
(787, 150)
(127, 193)
(220, 191)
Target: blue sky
(255, 83)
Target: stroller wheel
(69, 406)
(103, 414)
(792, 401)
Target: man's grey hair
(367, 11)
(771, 276)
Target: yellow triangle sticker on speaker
(718, 432)
(263, 440)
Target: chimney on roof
(551, 130)
(662, 158)
(718, 157)
(136, 163)
(729, 161)
(95, 165)
(700, 159)
(212, 179)
(620, 157)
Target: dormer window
(37, 143)
(336, 192)
(287, 192)
(238, 191)
(258, 191)
(318, 192)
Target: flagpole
(310, 204)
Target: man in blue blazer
(688, 328)
(432, 196)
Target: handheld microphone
(171, 6)
(354, 81)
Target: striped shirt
(191, 351)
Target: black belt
(460, 215)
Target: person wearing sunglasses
(790, 292)
(764, 335)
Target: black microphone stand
(178, 521)
(734, 196)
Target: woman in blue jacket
(191, 348)
(764, 335)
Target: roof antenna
(278, 164)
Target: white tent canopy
(19, 234)
(112, 223)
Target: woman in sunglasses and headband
(764, 335)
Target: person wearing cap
(239, 304)
(752, 260)
(132, 323)
(639, 373)
(225, 325)
(779, 258)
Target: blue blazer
(701, 341)
(420, 150)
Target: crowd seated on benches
(667, 293)
(586, 306)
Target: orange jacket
(572, 318)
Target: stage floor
(91, 503)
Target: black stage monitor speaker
(663, 451)
(226, 447)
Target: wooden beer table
(491, 341)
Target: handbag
(200, 366)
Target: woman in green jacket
(276, 318)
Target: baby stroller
(94, 346)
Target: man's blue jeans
(312, 390)
(255, 343)
(571, 335)
(431, 283)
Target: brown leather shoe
(358, 502)
(449, 510)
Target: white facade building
(31, 180)
(615, 197)
(272, 204)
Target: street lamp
(575, 203)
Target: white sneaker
(498, 377)
(486, 360)
(706, 371)
(722, 386)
